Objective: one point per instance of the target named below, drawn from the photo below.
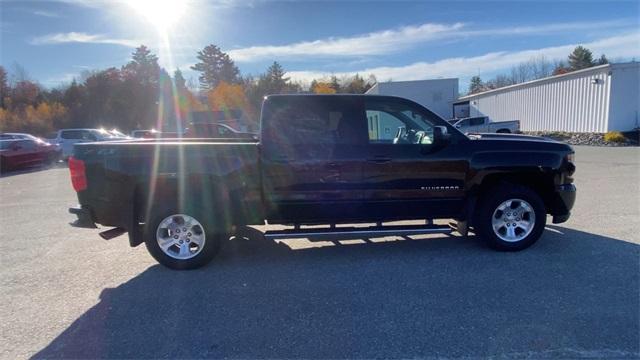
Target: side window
(87, 135)
(223, 131)
(476, 121)
(396, 122)
(26, 144)
(70, 134)
(313, 121)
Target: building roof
(593, 69)
(407, 82)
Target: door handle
(379, 159)
(281, 160)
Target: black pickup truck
(323, 159)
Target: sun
(163, 14)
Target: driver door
(405, 175)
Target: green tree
(358, 85)
(580, 58)
(215, 66)
(143, 66)
(335, 84)
(476, 85)
(603, 60)
(179, 80)
(4, 86)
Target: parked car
(317, 163)
(481, 124)
(17, 136)
(154, 134)
(216, 130)
(17, 153)
(66, 138)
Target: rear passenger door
(311, 158)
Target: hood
(512, 137)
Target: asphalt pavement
(66, 293)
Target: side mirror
(441, 135)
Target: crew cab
(323, 159)
(482, 124)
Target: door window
(476, 121)
(88, 136)
(313, 121)
(71, 134)
(397, 122)
(26, 145)
(223, 131)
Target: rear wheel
(182, 241)
(511, 218)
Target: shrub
(614, 136)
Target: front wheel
(182, 241)
(511, 218)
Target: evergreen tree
(179, 80)
(603, 60)
(4, 86)
(580, 58)
(475, 85)
(143, 66)
(215, 66)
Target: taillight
(78, 175)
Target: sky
(56, 40)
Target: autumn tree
(214, 67)
(580, 58)
(323, 88)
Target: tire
(505, 205)
(162, 229)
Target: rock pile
(592, 139)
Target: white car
(65, 138)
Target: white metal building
(438, 95)
(598, 99)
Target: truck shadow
(573, 294)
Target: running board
(112, 233)
(358, 232)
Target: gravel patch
(591, 139)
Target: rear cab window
(301, 121)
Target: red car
(24, 152)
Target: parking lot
(66, 293)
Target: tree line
(538, 68)
(142, 95)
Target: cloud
(80, 37)
(380, 42)
(45, 13)
(622, 46)
(391, 40)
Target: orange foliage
(39, 119)
(323, 88)
(227, 96)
